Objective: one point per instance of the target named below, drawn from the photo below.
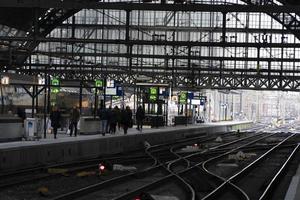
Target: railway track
(170, 167)
(131, 192)
(39, 176)
(9, 179)
(205, 184)
(197, 178)
(256, 180)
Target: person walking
(126, 119)
(74, 118)
(140, 116)
(55, 118)
(103, 119)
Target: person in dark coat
(55, 118)
(22, 114)
(126, 119)
(109, 113)
(113, 121)
(118, 117)
(140, 116)
(74, 118)
(103, 120)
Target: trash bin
(32, 128)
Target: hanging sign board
(5, 80)
(183, 98)
(153, 93)
(55, 82)
(98, 83)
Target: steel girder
(150, 42)
(192, 6)
(42, 27)
(200, 77)
(287, 19)
(168, 57)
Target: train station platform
(25, 154)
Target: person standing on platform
(118, 117)
(126, 119)
(74, 118)
(103, 119)
(109, 113)
(113, 121)
(55, 118)
(140, 116)
(22, 114)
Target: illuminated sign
(110, 83)
(98, 83)
(153, 97)
(55, 82)
(183, 98)
(5, 80)
(153, 94)
(153, 91)
(111, 91)
(41, 81)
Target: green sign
(153, 94)
(55, 82)
(98, 83)
(153, 97)
(153, 91)
(183, 98)
(55, 90)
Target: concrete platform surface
(25, 154)
(62, 137)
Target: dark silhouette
(140, 116)
(74, 118)
(103, 116)
(109, 113)
(22, 114)
(126, 116)
(113, 120)
(55, 118)
(118, 117)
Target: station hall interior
(203, 93)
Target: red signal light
(101, 167)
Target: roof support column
(127, 38)
(224, 27)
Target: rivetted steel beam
(204, 72)
(193, 7)
(88, 68)
(160, 56)
(151, 42)
(173, 28)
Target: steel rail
(91, 188)
(172, 174)
(210, 195)
(272, 183)
(180, 175)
